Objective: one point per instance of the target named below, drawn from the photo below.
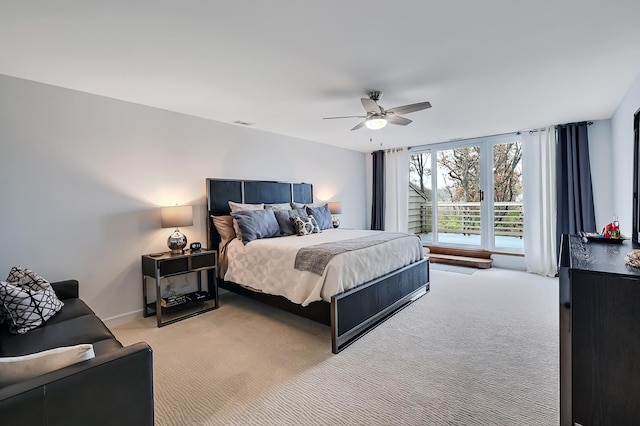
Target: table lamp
(175, 217)
(335, 207)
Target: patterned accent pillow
(27, 300)
(305, 225)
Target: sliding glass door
(448, 202)
(507, 211)
(458, 206)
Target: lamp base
(177, 242)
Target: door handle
(481, 195)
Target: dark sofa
(114, 388)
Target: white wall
(622, 153)
(82, 178)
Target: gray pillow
(279, 206)
(322, 216)
(256, 224)
(284, 222)
(295, 205)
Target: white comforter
(266, 265)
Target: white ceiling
(488, 67)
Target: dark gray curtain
(575, 195)
(377, 205)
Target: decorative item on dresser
(176, 217)
(350, 312)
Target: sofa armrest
(66, 289)
(115, 388)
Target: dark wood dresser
(599, 334)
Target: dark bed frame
(350, 314)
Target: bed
(351, 303)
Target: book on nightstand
(170, 301)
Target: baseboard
(123, 318)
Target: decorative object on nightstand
(335, 207)
(175, 217)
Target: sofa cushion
(67, 289)
(84, 329)
(19, 368)
(73, 308)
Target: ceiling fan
(378, 117)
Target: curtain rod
(519, 132)
(588, 123)
(430, 145)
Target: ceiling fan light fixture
(376, 123)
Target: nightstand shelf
(163, 265)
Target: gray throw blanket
(315, 258)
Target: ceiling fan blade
(371, 106)
(359, 125)
(405, 109)
(396, 119)
(346, 116)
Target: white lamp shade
(335, 207)
(376, 123)
(176, 216)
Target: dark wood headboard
(221, 191)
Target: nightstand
(178, 307)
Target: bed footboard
(355, 312)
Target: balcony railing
(464, 218)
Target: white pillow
(18, 368)
(236, 207)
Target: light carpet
(478, 349)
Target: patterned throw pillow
(27, 300)
(305, 225)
